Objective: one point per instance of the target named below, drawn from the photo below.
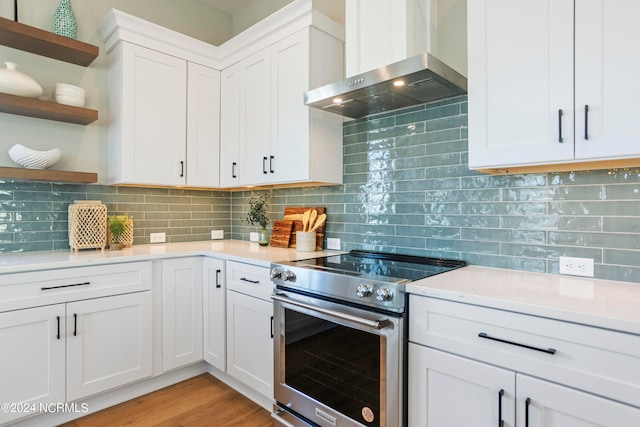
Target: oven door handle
(375, 324)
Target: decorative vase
(13, 82)
(263, 236)
(64, 21)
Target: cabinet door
(448, 390)
(230, 126)
(289, 116)
(108, 343)
(520, 82)
(255, 119)
(552, 405)
(153, 117)
(606, 79)
(181, 312)
(203, 126)
(214, 324)
(250, 341)
(32, 357)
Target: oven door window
(336, 365)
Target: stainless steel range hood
(424, 79)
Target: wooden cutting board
(281, 233)
(294, 213)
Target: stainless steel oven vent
(423, 78)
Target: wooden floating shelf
(46, 110)
(48, 175)
(45, 43)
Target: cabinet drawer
(249, 279)
(601, 361)
(32, 289)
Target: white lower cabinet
(472, 366)
(108, 343)
(250, 326)
(181, 312)
(214, 312)
(32, 359)
(448, 390)
(64, 352)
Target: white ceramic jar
(14, 82)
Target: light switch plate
(217, 234)
(157, 237)
(333, 244)
(253, 237)
(576, 266)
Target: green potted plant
(258, 214)
(120, 226)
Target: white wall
(84, 147)
(452, 34)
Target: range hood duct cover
(425, 77)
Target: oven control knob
(289, 276)
(364, 290)
(384, 294)
(276, 273)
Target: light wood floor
(200, 401)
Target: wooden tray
(294, 213)
(281, 233)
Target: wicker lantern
(87, 224)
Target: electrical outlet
(576, 266)
(157, 237)
(333, 244)
(253, 237)
(217, 234)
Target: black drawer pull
(272, 325)
(544, 350)
(75, 324)
(264, 165)
(218, 285)
(586, 122)
(560, 126)
(233, 170)
(271, 158)
(500, 394)
(181, 168)
(527, 403)
(255, 282)
(64, 286)
(58, 334)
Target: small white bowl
(67, 88)
(72, 100)
(33, 159)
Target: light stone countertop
(603, 303)
(234, 250)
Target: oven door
(336, 365)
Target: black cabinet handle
(47, 288)
(527, 403)
(264, 165)
(272, 325)
(58, 334)
(255, 282)
(586, 122)
(271, 158)
(75, 324)
(218, 285)
(560, 126)
(500, 394)
(181, 169)
(544, 350)
(233, 170)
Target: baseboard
(241, 388)
(114, 397)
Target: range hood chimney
(412, 81)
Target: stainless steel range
(340, 328)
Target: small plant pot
(116, 246)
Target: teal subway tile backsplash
(407, 188)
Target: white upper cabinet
(522, 103)
(230, 126)
(281, 140)
(148, 112)
(203, 126)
